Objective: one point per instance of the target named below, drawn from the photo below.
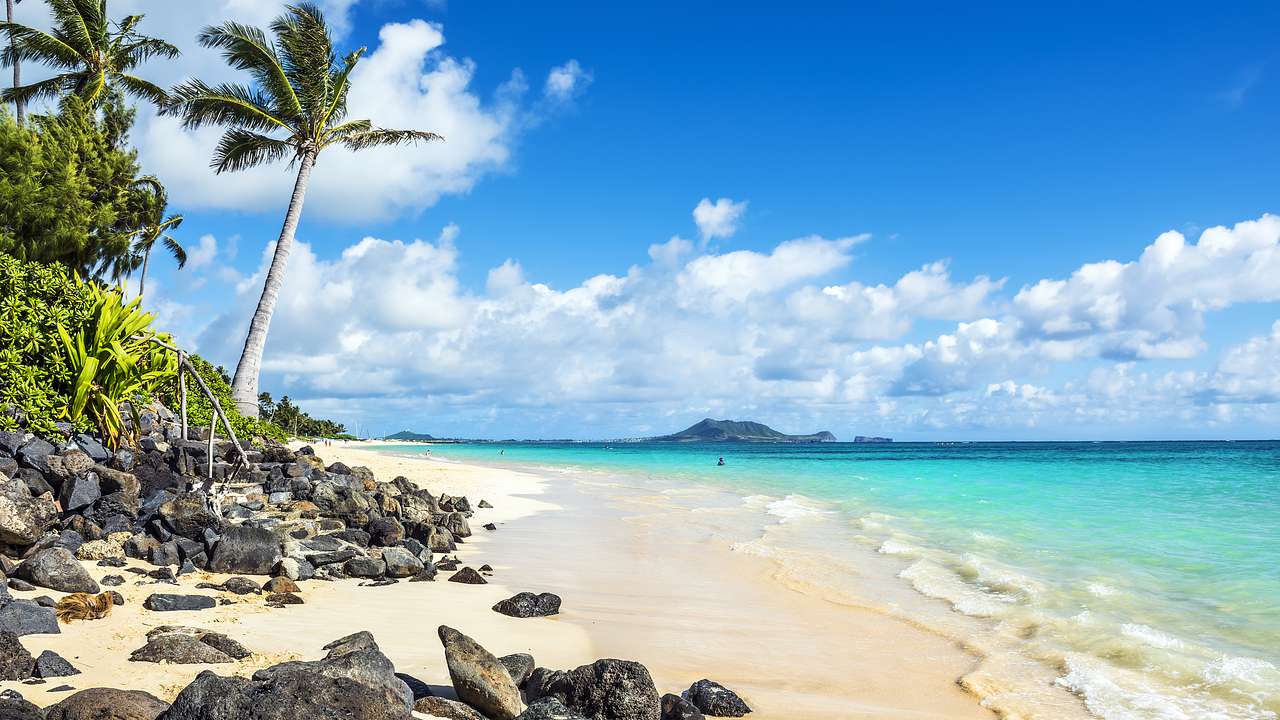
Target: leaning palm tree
(93, 55)
(19, 108)
(294, 109)
(155, 229)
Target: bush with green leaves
(35, 375)
(112, 360)
(200, 410)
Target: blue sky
(522, 278)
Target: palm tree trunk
(244, 388)
(18, 105)
(142, 279)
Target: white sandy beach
(631, 590)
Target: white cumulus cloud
(718, 219)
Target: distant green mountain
(409, 435)
(710, 430)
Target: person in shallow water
(721, 462)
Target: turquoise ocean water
(1144, 576)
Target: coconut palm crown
(295, 107)
(155, 229)
(93, 55)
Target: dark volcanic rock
(605, 689)
(283, 598)
(445, 708)
(385, 532)
(401, 563)
(178, 648)
(14, 707)
(246, 550)
(364, 567)
(108, 704)
(50, 664)
(24, 617)
(20, 585)
(57, 569)
(188, 515)
(79, 491)
(675, 707)
(15, 662)
(716, 700)
(527, 605)
(35, 454)
(520, 666)
(355, 681)
(242, 586)
(281, 585)
(478, 678)
(165, 602)
(549, 708)
(468, 576)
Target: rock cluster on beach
(286, 518)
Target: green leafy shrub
(35, 376)
(200, 410)
(112, 359)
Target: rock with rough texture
(527, 605)
(15, 662)
(606, 690)
(716, 700)
(281, 584)
(468, 576)
(385, 532)
(242, 586)
(520, 666)
(364, 567)
(166, 602)
(25, 617)
(35, 454)
(23, 518)
(355, 681)
(50, 665)
(675, 707)
(281, 599)
(188, 515)
(444, 708)
(14, 707)
(549, 708)
(401, 563)
(108, 704)
(478, 678)
(246, 551)
(178, 648)
(57, 569)
(79, 491)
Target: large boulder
(35, 455)
(401, 563)
(479, 679)
(23, 518)
(107, 704)
(179, 649)
(57, 569)
(245, 551)
(81, 490)
(527, 605)
(605, 690)
(385, 531)
(355, 681)
(716, 700)
(26, 617)
(188, 515)
(15, 662)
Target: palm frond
(376, 137)
(49, 89)
(139, 49)
(306, 53)
(29, 44)
(241, 149)
(200, 104)
(245, 47)
(341, 84)
(176, 250)
(79, 22)
(143, 89)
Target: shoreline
(696, 608)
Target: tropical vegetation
(294, 107)
(295, 421)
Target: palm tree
(18, 106)
(94, 55)
(156, 228)
(295, 108)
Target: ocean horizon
(1141, 575)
